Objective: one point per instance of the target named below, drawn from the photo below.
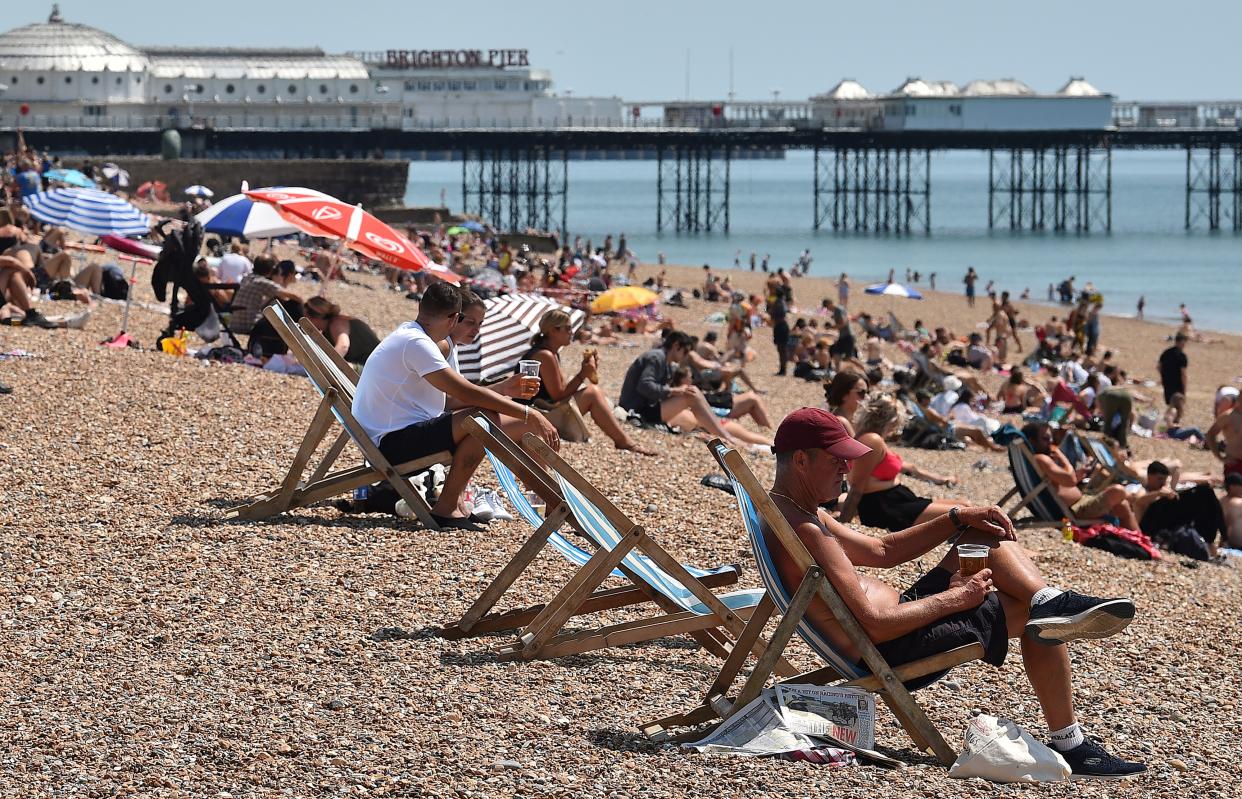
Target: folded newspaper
(801, 722)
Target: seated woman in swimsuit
(351, 337)
(1017, 393)
(555, 333)
(876, 494)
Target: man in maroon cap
(942, 610)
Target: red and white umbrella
(322, 215)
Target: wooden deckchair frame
(540, 626)
(480, 619)
(885, 681)
(336, 381)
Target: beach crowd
(1043, 389)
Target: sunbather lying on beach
(943, 609)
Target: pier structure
(872, 189)
(692, 187)
(1060, 188)
(517, 187)
(865, 181)
(1214, 186)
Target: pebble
(1179, 765)
(510, 765)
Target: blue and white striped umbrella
(88, 211)
(199, 191)
(894, 290)
(241, 216)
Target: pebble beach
(154, 649)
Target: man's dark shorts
(650, 414)
(418, 440)
(984, 625)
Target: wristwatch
(956, 518)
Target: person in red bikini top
(876, 494)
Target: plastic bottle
(1067, 530)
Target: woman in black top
(555, 333)
(353, 338)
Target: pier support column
(1059, 187)
(517, 187)
(1213, 187)
(692, 188)
(873, 190)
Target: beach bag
(113, 284)
(1184, 540)
(921, 433)
(566, 418)
(1000, 751)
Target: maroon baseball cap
(816, 428)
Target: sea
(1149, 253)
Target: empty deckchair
(479, 618)
(688, 606)
(755, 505)
(335, 380)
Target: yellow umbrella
(623, 298)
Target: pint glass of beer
(972, 559)
(529, 370)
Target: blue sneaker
(1089, 761)
(1070, 616)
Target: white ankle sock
(1044, 594)
(1066, 739)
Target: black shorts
(418, 440)
(844, 347)
(892, 509)
(983, 625)
(651, 414)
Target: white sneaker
(481, 507)
(497, 506)
(78, 321)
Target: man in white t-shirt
(234, 265)
(401, 402)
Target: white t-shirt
(233, 267)
(392, 392)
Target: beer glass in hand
(529, 370)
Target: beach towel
(1117, 540)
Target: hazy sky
(637, 49)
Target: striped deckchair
(757, 511)
(687, 604)
(336, 381)
(479, 618)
